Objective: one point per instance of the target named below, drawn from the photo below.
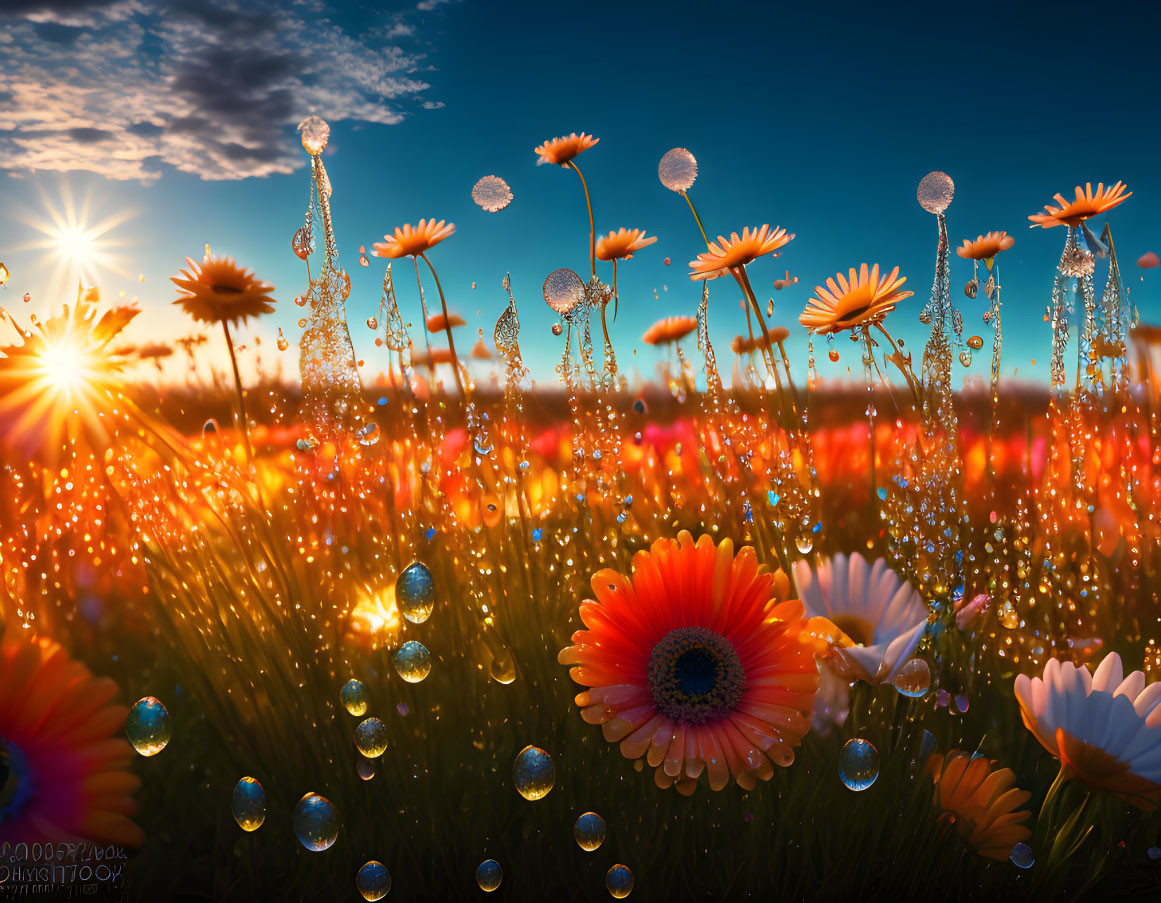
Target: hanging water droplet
(363, 261)
(371, 738)
(491, 194)
(372, 322)
(315, 134)
(210, 427)
(368, 433)
(619, 881)
(858, 764)
(557, 329)
(316, 823)
(804, 543)
(971, 288)
(913, 679)
(563, 290)
(489, 875)
(833, 355)
(413, 662)
(965, 358)
(589, 831)
(27, 297)
(415, 592)
(148, 727)
(283, 344)
(677, 170)
(302, 243)
(365, 768)
(975, 343)
(373, 880)
(1022, 857)
(354, 697)
(533, 773)
(249, 804)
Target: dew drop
(148, 726)
(27, 297)
(489, 875)
(283, 344)
(210, 427)
(1022, 857)
(368, 433)
(557, 329)
(373, 880)
(833, 355)
(363, 261)
(315, 134)
(371, 738)
(589, 831)
(913, 678)
(619, 881)
(415, 592)
(248, 805)
(365, 768)
(563, 290)
(965, 358)
(354, 697)
(975, 343)
(372, 322)
(533, 773)
(316, 823)
(858, 764)
(413, 661)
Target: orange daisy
(64, 767)
(669, 329)
(1086, 205)
(622, 244)
(697, 662)
(218, 290)
(431, 358)
(440, 323)
(744, 345)
(986, 246)
(411, 241)
(561, 150)
(859, 299)
(980, 802)
(727, 253)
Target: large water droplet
(489, 875)
(354, 697)
(373, 880)
(492, 194)
(148, 727)
(371, 738)
(935, 192)
(677, 169)
(619, 881)
(858, 764)
(316, 823)
(913, 678)
(249, 804)
(413, 661)
(315, 134)
(1022, 856)
(415, 592)
(365, 768)
(563, 290)
(589, 831)
(368, 433)
(533, 773)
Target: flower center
(695, 675)
(861, 632)
(15, 785)
(226, 290)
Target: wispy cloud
(211, 87)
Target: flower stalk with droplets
(562, 152)
(619, 245)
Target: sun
(74, 244)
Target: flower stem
(764, 341)
(693, 210)
(446, 325)
(592, 226)
(241, 399)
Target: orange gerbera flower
(980, 802)
(622, 244)
(1086, 205)
(986, 246)
(439, 323)
(697, 663)
(859, 299)
(432, 358)
(727, 253)
(743, 345)
(561, 150)
(64, 770)
(218, 290)
(411, 241)
(669, 329)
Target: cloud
(209, 87)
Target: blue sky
(822, 120)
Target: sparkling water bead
(316, 823)
(589, 831)
(858, 764)
(913, 679)
(677, 169)
(1022, 856)
(619, 881)
(413, 662)
(249, 804)
(935, 192)
(148, 727)
(533, 773)
(489, 875)
(365, 768)
(371, 738)
(492, 194)
(315, 134)
(373, 880)
(354, 697)
(563, 290)
(415, 592)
